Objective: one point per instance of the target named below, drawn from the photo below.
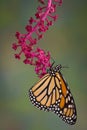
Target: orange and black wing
(51, 93)
(45, 94)
(66, 108)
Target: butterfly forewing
(45, 93)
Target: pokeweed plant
(45, 17)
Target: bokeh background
(67, 43)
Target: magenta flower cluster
(44, 18)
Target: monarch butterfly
(51, 93)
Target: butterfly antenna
(65, 66)
(52, 62)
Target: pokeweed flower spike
(44, 18)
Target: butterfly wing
(45, 94)
(66, 108)
(51, 93)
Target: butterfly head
(58, 67)
(54, 69)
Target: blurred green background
(67, 43)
